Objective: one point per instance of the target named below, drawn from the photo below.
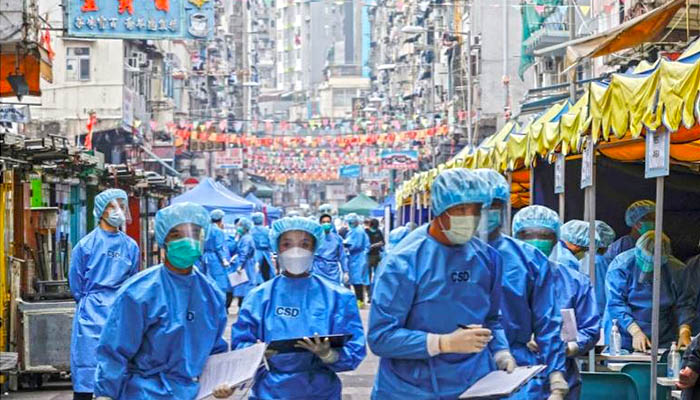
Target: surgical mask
(296, 260)
(326, 226)
(544, 245)
(645, 227)
(116, 217)
(239, 230)
(494, 220)
(462, 228)
(372, 230)
(182, 253)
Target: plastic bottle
(674, 362)
(615, 340)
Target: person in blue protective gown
(298, 304)
(539, 226)
(263, 253)
(356, 243)
(640, 217)
(529, 306)
(439, 278)
(165, 321)
(629, 293)
(215, 260)
(572, 244)
(397, 234)
(605, 236)
(330, 260)
(244, 259)
(100, 263)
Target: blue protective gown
(529, 307)
(230, 245)
(357, 245)
(564, 256)
(396, 235)
(213, 257)
(601, 271)
(161, 330)
(245, 250)
(574, 290)
(286, 308)
(426, 287)
(263, 250)
(693, 279)
(630, 300)
(618, 247)
(100, 263)
(330, 258)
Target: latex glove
(223, 391)
(226, 264)
(321, 348)
(571, 349)
(684, 336)
(532, 345)
(465, 341)
(505, 361)
(558, 388)
(640, 341)
(687, 379)
(346, 278)
(257, 267)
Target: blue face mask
(182, 253)
(645, 227)
(494, 220)
(116, 217)
(544, 245)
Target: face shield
(184, 244)
(542, 238)
(495, 215)
(116, 213)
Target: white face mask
(462, 228)
(296, 260)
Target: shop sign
(657, 157)
(399, 159)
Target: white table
(625, 358)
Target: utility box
(44, 346)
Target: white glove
(257, 267)
(465, 341)
(346, 278)
(505, 361)
(223, 391)
(558, 388)
(103, 398)
(532, 345)
(226, 264)
(640, 341)
(321, 348)
(571, 349)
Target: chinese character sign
(141, 19)
(401, 159)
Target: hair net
(104, 198)
(410, 225)
(536, 217)
(352, 218)
(458, 186)
(637, 210)
(575, 232)
(257, 217)
(644, 248)
(295, 224)
(180, 213)
(293, 213)
(245, 223)
(217, 215)
(605, 232)
(499, 186)
(326, 209)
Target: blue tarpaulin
(212, 195)
(390, 202)
(272, 212)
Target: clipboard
(499, 384)
(287, 345)
(236, 278)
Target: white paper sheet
(499, 384)
(232, 368)
(568, 325)
(237, 278)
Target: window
(77, 63)
(343, 97)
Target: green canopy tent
(360, 205)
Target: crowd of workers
(450, 301)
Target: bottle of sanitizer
(615, 340)
(674, 362)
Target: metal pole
(591, 244)
(506, 27)
(572, 36)
(532, 186)
(509, 205)
(470, 137)
(656, 296)
(412, 209)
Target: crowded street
(350, 199)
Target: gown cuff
(433, 344)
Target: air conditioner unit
(549, 66)
(142, 59)
(476, 40)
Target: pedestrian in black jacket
(688, 378)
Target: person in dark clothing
(376, 244)
(688, 377)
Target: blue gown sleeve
(616, 289)
(135, 260)
(246, 331)
(546, 319)
(76, 273)
(587, 317)
(347, 320)
(221, 346)
(392, 300)
(354, 241)
(493, 318)
(220, 249)
(343, 257)
(244, 251)
(119, 343)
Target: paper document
(235, 368)
(237, 278)
(568, 325)
(499, 384)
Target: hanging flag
(92, 121)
